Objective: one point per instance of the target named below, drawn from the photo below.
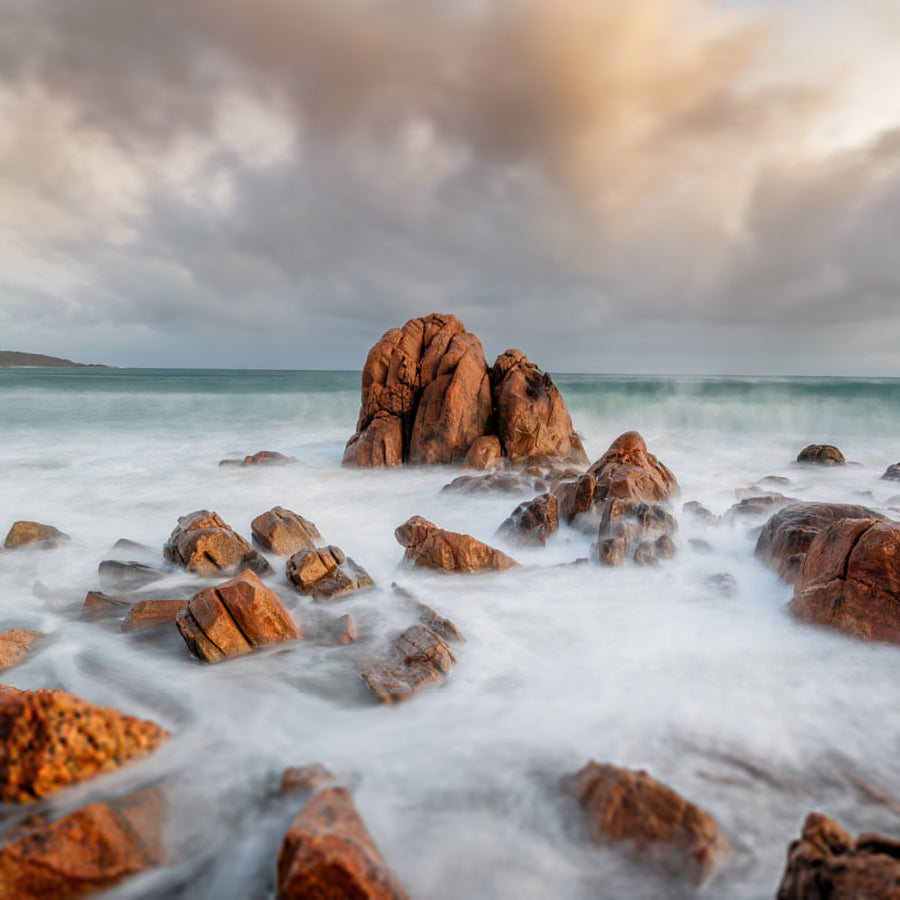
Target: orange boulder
(449, 551)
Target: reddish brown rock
(262, 458)
(448, 551)
(203, 543)
(328, 853)
(634, 809)
(25, 534)
(785, 538)
(641, 529)
(827, 864)
(98, 605)
(850, 580)
(305, 780)
(283, 532)
(50, 740)
(15, 646)
(484, 453)
(418, 659)
(326, 573)
(532, 522)
(379, 446)
(234, 617)
(87, 851)
(152, 613)
(532, 418)
(822, 455)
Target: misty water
(755, 718)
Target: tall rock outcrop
(428, 396)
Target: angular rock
(484, 453)
(448, 551)
(645, 554)
(827, 864)
(758, 505)
(892, 473)
(418, 659)
(444, 628)
(116, 575)
(283, 532)
(532, 522)
(203, 543)
(698, 511)
(610, 551)
(629, 527)
(786, 537)
(328, 853)
(822, 455)
(532, 418)
(24, 534)
(234, 617)
(15, 646)
(850, 580)
(152, 613)
(632, 808)
(326, 573)
(98, 605)
(87, 851)
(50, 740)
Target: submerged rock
(15, 646)
(283, 532)
(822, 455)
(146, 614)
(328, 853)
(201, 542)
(326, 573)
(26, 534)
(116, 575)
(262, 458)
(787, 535)
(87, 851)
(233, 618)
(623, 806)
(533, 521)
(850, 580)
(306, 780)
(448, 551)
(50, 740)
(418, 659)
(892, 473)
(643, 530)
(827, 864)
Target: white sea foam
(757, 719)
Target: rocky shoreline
(843, 561)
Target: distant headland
(13, 359)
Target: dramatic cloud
(612, 184)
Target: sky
(640, 186)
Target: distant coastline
(12, 359)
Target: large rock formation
(50, 740)
(622, 806)
(827, 864)
(201, 542)
(786, 537)
(87, 851)
(428, 398)
(850, 580)
(448, 551)
(328, 852)
(233, 618)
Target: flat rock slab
(87, 851)
(50, 740)
(283, 532)
(448, 551)
(328, 853)
(232, 618)
(628, 807)
(419, 659)
(326, 573)
(827, 864)
(201, 542)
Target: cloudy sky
(706, 186)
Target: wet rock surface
(628, 807)
(328, 852)
(326, 573)
(15, 646)
(850, 580)
(34, 534)
(787, 535)
(116, 575)
(233, 618)
(89, 850)
(283, 532)
(201, 542)
(640, 530)
(827, 864)
(821, 455)
(892, 473)
(262, 458)
(448, 551)
(533, 521)
(50, 740)
(146, 614)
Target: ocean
(719, 694)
